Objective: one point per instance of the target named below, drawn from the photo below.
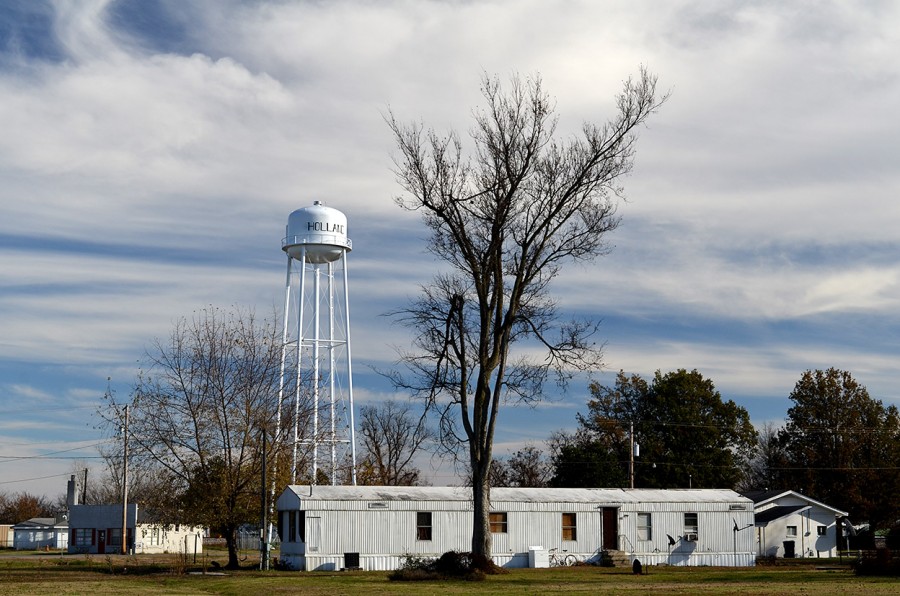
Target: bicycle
(562, 559)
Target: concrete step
(615, 558)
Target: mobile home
(375, 527)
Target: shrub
(450, 565)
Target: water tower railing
(318, 238)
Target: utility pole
(263, 534)
(631, 458)
(125, 486)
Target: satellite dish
(850, 529)
(671, 540)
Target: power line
(10, 458)
(38, 478)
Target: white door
(313, 534)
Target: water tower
(315, 361)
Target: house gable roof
(765, 497)
(40, 522)
(773, 513)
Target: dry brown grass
(163, 574)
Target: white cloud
(142, 185)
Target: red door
(101, 542)
(610, 528)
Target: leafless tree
(529, 468)
(526, 468)
(767, 460)
(392, 437)
(505, 221)
(198, 412)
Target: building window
(423, 525)
(84, 536)
(569, 527)
(301, 525)
(822, 530)
(644, 527)
(498, 522)
(690, 523)
(792, 530)
(291, 527)
(115, 539)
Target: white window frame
(644, 526)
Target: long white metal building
(374, 527)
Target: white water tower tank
(320, 230)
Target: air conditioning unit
(690, 537)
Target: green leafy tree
(843, 447)
(505, 221)
(688, 436)
(584, 460)
(691, 434)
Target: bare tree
(526, 468)
(505, 221)
(529, 468)
(198, 413)
(392, 438)
(768, 459)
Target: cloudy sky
(151, 152)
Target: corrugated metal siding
(383, 528)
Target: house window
(84, 536)
(423, 525)
(569, 527)
(822, 530)
(792, 530)
(498, 522)
(301, 525)
(644, 527)
(292, 526)
(690, 523)
(114, 540)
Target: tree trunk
(481, 501)
(231, 544)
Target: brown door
(610, 528)
(101, 542)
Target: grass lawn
(99, 575)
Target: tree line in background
(198, 410)
(838, 445)
(22, 506)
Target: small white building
(789, 524)
(97, 529)
(374, 527)
(41, 533)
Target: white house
(789, 524)
(41, 532)
(97, 529)
(374, 527)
